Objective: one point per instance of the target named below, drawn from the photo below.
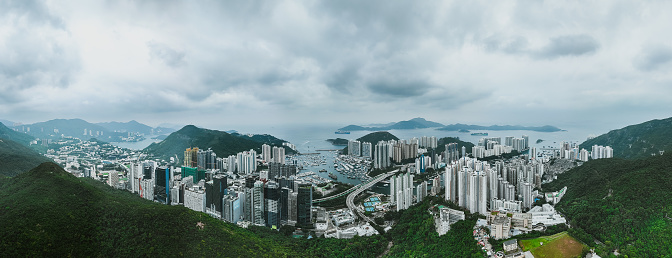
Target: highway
(350, 201)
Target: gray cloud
(35, 50)
(167, 55)
(653, 58)
(570, 45)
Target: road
(350, 201)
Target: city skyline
(230, 64)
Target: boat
(333, 176)
(323, 170)
(342, 132)
(480, 134)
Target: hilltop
(623, 203)
(637, 141)
(415, 123)
(16, 158)
(22, 138)
(222, 143)
(56, 214)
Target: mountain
(637, 141)
(415, 123)
(135, 126)
(373, 138)
(15, 158)
(623, 203)
(7, 122)
(458, 127)
(131, 126)
(441, 144)
(54, 214)
(222, 143)
(7, 133)
(68, 127)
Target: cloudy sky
(225, 63)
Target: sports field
(558, 245)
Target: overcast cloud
(227, 63)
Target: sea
(313, 139)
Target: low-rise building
(501, 225)
(511, 245)
(448, 217)
(546, 215)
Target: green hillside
(441, 145)
(374, 138)
(55, 214)
(16, 158)
(22, 138)
(414, 123)
(222, 143)
(623, 203)
(637, 141)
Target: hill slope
(10, 134)
(625, 202)
(222, 143)
(55, 214)
(16, 158)
(637, 141)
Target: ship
(333, 176)
(480, 134)
(342, 132)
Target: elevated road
(350, 201)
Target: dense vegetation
(22, 138)
(623, 203)
(16, 158)
(53, 213)
(441, 145)
(222, 143)
(458, 127)
(637, 141)
(415, 234)
(374, 138)
(338, 141)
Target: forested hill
(22, 138)
(16, 158)
(637, 141)
(623, 203)
(222, 143)
(54, 214)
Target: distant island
(415, 123)
(460, 127)
(338, 141)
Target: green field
(558, 245)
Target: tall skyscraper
(191, 157)
(279, 155)
(266, 153)
(304, 204)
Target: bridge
(368, 184)
(350, 201)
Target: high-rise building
(231, 208)
(354, 148)
(382, 155)
(266, 153)
(304, 204)
(272, 204)
(246, 162)
(194, 198)
(191, 157)
(366, 149)
(279, 155)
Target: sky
(221, 64)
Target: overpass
(350, 201)
(368, 184)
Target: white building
(194, 198)
(546, 215)
(448, 217)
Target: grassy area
(558, 245)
